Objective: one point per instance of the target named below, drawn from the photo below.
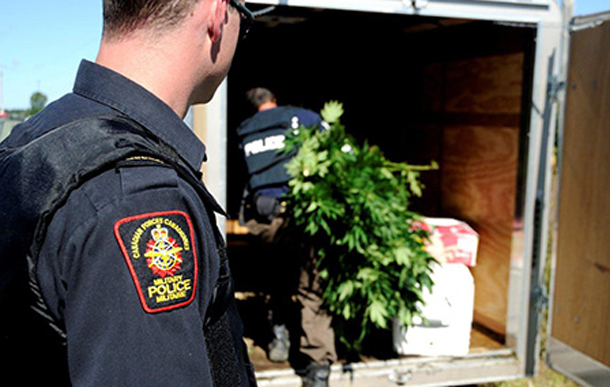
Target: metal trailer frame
(526, 295)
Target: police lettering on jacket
(266, 144)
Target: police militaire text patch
(160, 253)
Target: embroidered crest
(160, 254)
(163, 253)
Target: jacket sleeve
(128, 267)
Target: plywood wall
(480, 149)
(582, 283)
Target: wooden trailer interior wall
(480, 143)
(421, 89)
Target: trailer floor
(377, 357)
(378, 365)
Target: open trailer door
(478, 106)
(579, 334)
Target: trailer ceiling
(271, 17)
(520, 11)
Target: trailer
(481, 88)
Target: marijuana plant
(352, 203)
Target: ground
(545, 377)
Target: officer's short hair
(259, 95)
(122, 17)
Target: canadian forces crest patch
(160, 254)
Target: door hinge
(555, 86)
(415, 4)
(540, 297)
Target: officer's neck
(267, 106)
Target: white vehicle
(489, 89)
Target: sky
(43, 41)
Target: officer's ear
(218, 16)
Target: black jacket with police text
(113, 241)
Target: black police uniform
(261, 140)
(130, 262)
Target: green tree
(37, 102)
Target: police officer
(261, 140)
(129, 277)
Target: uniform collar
(107, 87)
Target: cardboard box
(452, 241)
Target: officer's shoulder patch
(160, 253)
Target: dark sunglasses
(247, 18)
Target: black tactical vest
(40, 172)
(261, 138)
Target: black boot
(316, 375)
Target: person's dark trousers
(297, 275)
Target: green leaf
(405, 316)
(312, 207)
(332, 111)
(345, 290)
(378, 314)
(347, 312)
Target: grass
(545, 377)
